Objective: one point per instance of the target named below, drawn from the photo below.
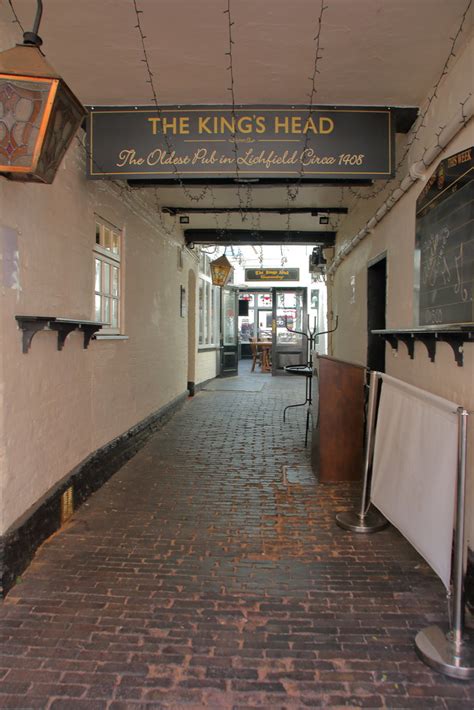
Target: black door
(376, 310)
(229, 331)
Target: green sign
(250, 142)
(272, 274)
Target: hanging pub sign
(249, 143)
(272, 274)
(444, 250)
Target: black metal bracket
(63, 328)
(89, 329)
(455, 336)
(30, 325)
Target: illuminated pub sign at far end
(272, 274)
(254, 142)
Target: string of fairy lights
(16, 19)
(244, 192)
(235, 149)
(420, 120)
(293, 189)
(151, 81)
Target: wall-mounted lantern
(221, 270)
(39, 114)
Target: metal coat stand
(366, 520)
(306, 370)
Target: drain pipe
(417, 171)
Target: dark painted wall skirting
(19, 544)
(469, 581)
(200, 386)
(193, 387)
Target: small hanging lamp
(39, 114)
(221, 270)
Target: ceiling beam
(314, 211)
(257, 237)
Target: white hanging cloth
(415, 468)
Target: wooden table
(265, 347)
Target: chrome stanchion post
(452, 651)
(366, 521)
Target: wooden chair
(255, 353)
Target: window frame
(208, 307)
(106, 257)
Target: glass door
(289, 313)
(229, 331)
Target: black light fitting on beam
(313, 211)
(261, 237)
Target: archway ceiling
(374, 52)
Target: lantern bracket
(32, 38)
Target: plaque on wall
(444, 250)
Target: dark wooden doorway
(376, 312)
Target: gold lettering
(203, 124)
(281, 123)
(226, 124)
(169, 123)
(296, 124)
(154, 125)
(244, 124)
(310, 126)
(260, 124)
(184, 124)
(128, 157)
(330, 125)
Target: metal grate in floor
(298, 475)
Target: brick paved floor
(204, 576)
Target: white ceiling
(381, 52)
(374, 52)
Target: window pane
(212, 315)
(106, 278)
(208, 313)
(265, 300)
(115, 243)
(97, 233)
(114, 321)
(201, 311)
(97, 275)
(229, 321)
(107, 310)
(107, 239)
(115, 281)
(97, 310)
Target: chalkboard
(444, 250)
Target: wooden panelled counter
(338, 437)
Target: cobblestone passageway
(209, 573)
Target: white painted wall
(206, 365)
(58, 407)
(395, 234)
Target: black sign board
(272, 274)
(251, 142)
(444, 254)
